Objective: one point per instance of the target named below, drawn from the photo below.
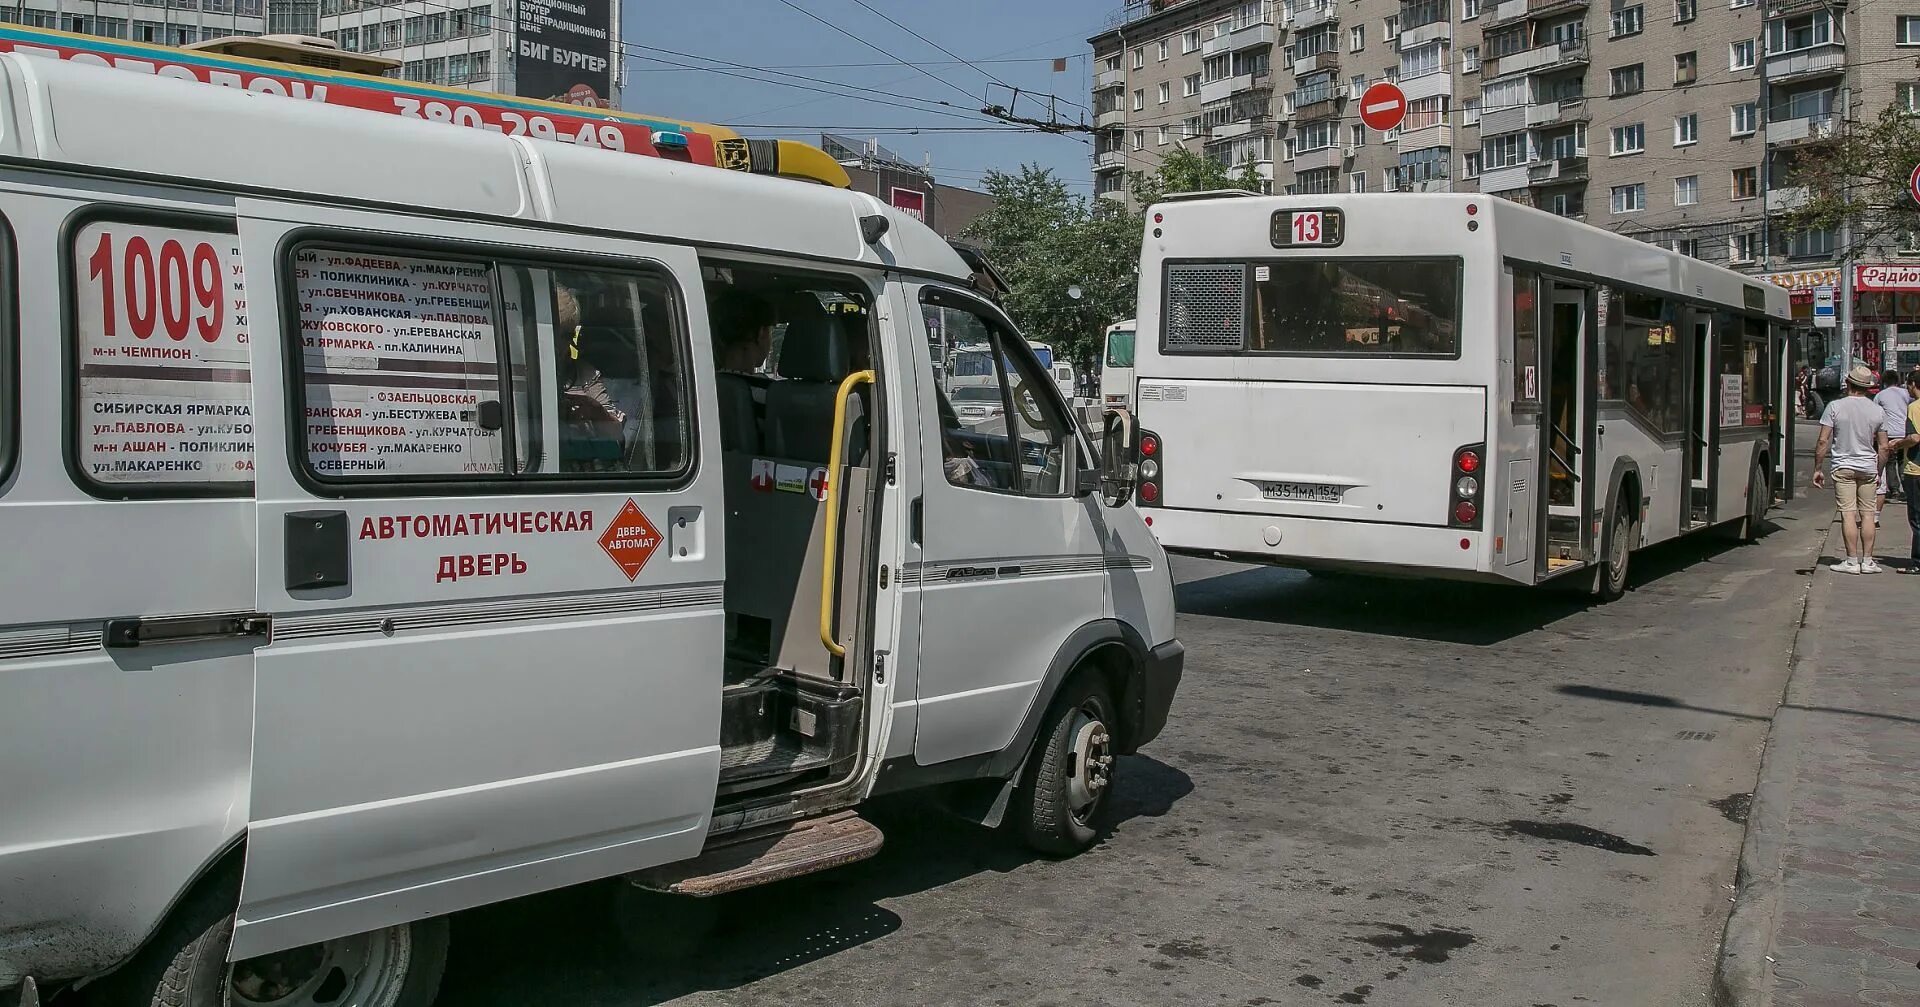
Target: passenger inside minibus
(783, 344)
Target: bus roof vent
(1206, 307)
(1187, 197)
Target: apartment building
(1679, 122)
(463, 43)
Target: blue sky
(768, 35)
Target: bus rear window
(1385, 307)
(1120, 348)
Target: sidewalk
(1828, 907)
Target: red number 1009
(176, 290)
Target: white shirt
(1893, 401)
(1854, 419)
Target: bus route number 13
(1306, 227)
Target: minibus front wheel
(186, 965)
(1070, 774)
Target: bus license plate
(1303, 492)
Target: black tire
(1051, 820)
(1617, 551)
(185, 965)
(1759, 495)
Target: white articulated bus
(399, 518)
(1447, 385)
(1116, 370)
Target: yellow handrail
(830, 559)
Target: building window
(1286, 154)
(1746, 118)
(1192, 127)
(1743, 247)
(1161, 55)
(1390, 29)
(1626, 80)
(1139, 139)
(1356, 38)
(1166, 92)
(1740, 55)
(1737, 4)
(1424, 112)
(1908, 242)
(1793, 34)
(1689, 247)
(1139, 98)
(1568, 204)
(1190, 41)
(1630, 198)
(1908, 31)
(1315, 42)
(1190, 84)
(1357, 182)
(1629, 139)
(1469, 9)
(1162, 137)
(1470, 111)
(1686, 190)
(1627, 21)
(1906, 97)
(1818, 244)
(1359, 85)
(1503, 151)
(1139, 58)
(1318, 136)
(1686, 129)
(1470, 164)
(1686, 68)
(1746, 183)
(1470, 59)
(1685, 11)
(1421, 60)
(1357, 135)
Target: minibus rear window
(1404, 307)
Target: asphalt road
(1370, 792)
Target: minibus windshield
(1384, 307)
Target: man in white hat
(1851, 434)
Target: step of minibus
(757, 856)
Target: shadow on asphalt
(1479, 615)
(1672, 703)
(561, 947)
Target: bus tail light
(1467, 480)
(1151, 472)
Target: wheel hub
(360, 971)
(1092, 764)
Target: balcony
(1424, 185)
(1314, 160)
(1814, 62)
(1109, 78)
(1235, 130)
(1498, 14)
(1556, 113)
(1109, 160)
(1413, 38)
(1551, 8)
(1786, 198)
(1504, 179)
(1557, 171)
(1251, 36)
(1427, 85)
(1322, 63)
(1315, 14)
(1437, 135)
(1511, 119)
(1117, 195)
(1321, 108)
(1111, 118)
(1804, 129)
(1224, 88)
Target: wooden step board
(1555, 564)
(756, 857)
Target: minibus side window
(999, 429)
(9, 358)
(161, 375)
(458, 368)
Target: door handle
(917, 519)
(139, 631)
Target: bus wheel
(186, 966)
(1072, 770)
(1612, 582)
(1759, 494)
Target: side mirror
(1119, 458)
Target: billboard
(913, 201)
(564, 51)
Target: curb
(1742, 975)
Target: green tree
(1182, 170)
(1859, 178)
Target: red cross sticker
(817, 484)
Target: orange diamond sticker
(630, 540)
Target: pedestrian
(1893, 399)
(1852, 435)
(1907, 449)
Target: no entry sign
(1383, 106)
(1913, 183)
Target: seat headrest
(814, 348)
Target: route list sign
(400, 362)
(161, 315)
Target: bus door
(1567, 360)
(490, 538)
(1784, 409)
(1702, 431)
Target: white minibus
(400, 518)
(1116, 371)
(1447, 386)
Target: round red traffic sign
(1383, 106)
(1913, 183)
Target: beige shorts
(1854, 491)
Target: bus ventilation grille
(1206, 307)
